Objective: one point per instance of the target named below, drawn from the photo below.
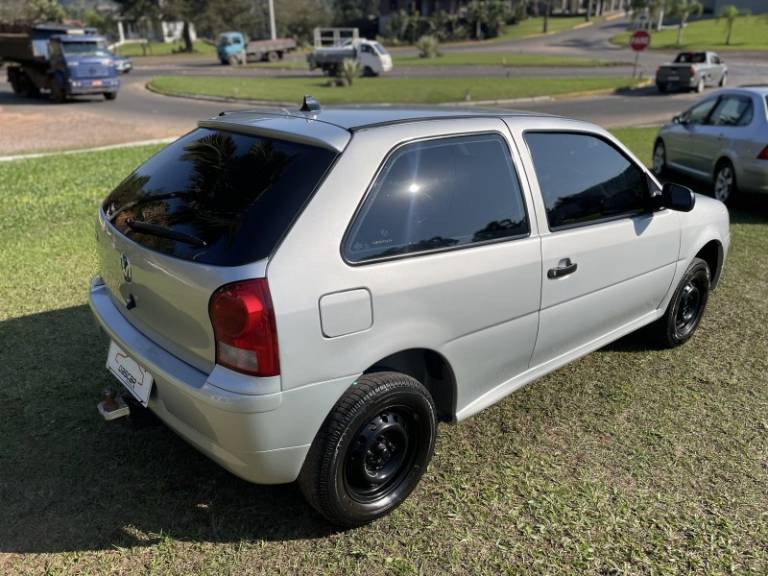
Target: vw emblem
(125, 266)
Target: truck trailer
(61, 60)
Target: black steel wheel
(686, 308)
(372, 449)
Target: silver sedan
(722, 139)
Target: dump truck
(60, 60)
(234, 48)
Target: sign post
(639, 41)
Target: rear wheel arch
(431, 369)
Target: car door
(680, 142)
(607, 259)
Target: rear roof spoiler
(302, 129)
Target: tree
(31, 11)
(729, 13)
(683, 9)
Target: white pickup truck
(372, 57)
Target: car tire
(724, 187)
(110, 95)
(662, 88)
(723, 80)
(368, 72)
(700, 86)
(659, 158)
(686, 308)
(272, 56)
(372, 449)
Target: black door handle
(563, 268)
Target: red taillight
(763, 154)
(692, 71)
(244, 327)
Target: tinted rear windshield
(691, 58)
(217, 197)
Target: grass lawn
(500, 59)
(385, 89)
(468, 59)
(749, 33)
(629, 461)
(163, 49)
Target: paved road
(33, 125)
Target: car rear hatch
(675, 72)
(207, 210)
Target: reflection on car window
(439, 194)
(732, 111)
(584, 178)
(699, 114)
(238, 193)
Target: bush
(350, 69)
(428, 47)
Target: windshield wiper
(163, 232)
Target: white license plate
(673, 78)
(131, 374)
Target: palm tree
(683, 9)
(657, 8)
(730, 13)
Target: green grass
(629, 461)
(500, 59)
(516, 60)
(163, 49)
(384, 89)
(749, 33)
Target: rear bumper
(262, 438)
(752, 175)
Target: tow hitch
(112, 406)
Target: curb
(84, 150)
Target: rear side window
(439, 194)
(217, 197)
(732, 111)
(584, 179)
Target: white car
(306, 294)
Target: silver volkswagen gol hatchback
(305, 295)
(722, 139)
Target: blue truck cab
(64, 61)
(230, 46)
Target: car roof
(332, 127)
(759, 89)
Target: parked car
(123, 64)
(300, 303)
(692, 71)
(721, 139)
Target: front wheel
(58, 92)
(723, 80)
(110, 95)
(700, 86)
(372, 449)
(686, 308)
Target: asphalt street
(31, 125)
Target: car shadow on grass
(70, 481)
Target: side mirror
(676, 197)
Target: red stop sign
(640, 40)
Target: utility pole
(272, 30)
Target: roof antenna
(309, 104)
